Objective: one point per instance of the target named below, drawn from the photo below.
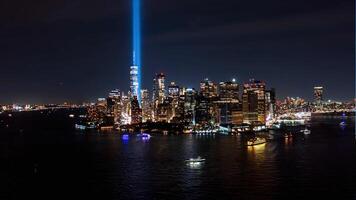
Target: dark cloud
(322, 21)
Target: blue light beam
(136, 9)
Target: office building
(208, 89)
(159, 91)
(318, 95)
(136, 112)
(146, 106)
(254, 102)
(229, 90)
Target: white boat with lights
(195, 160)
(144, 135)
(256, 141)
(306, 131)
(342, 124)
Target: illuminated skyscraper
(114, 105)
(229, 90)
(230, 108)
(134, 81)
(270, 103)
(204, 104)
(189, 106)
(179, 109)
(146, 106)
(173, 97)
(254, 102)
(159, 90)
(318, 94)
(135, 70)
(173, 91)
(125, 109)
(208, 89)
(136, 112)
(164, 111)
(230, 112)
(203, 115)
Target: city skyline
(177, 99)
(64, 59)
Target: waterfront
(54, 163)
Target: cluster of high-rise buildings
(226, 103)
(213, 104)
(318, 104)
(223, 104)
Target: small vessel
(256, 141)
(342, 123)
(144, 136)
(85, 126)
(80, 127)
(195, 160)
(306, 131)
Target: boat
(144, 136)
(306, 131)
(275, 126)
(195, 160)
(342, 124)
(80, 127)
(85, 126)
(256, 141)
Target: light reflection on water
(113, 168)
(256, 153)
(256, 149)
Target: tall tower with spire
(135, 69)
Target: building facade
(159, 92)
(254, 102)
(136, 112)
(318, 95)
(208, 89)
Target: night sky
(78, 50)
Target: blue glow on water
(125, 137)
(136, 9)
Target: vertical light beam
(136, 9)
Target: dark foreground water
(64, 164)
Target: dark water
(64, 164)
